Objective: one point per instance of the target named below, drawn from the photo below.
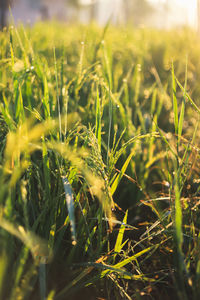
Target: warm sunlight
(99, 149)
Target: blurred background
(151, 13)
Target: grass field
(99, 163)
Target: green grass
(99, 163)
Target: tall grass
(98, 163)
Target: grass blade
(98, 120)
(118, 244)
(175, 105)
(70, 206)
(57, 95)
(182, 113)
(120, 175)
(188, 96)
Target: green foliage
(89, 128)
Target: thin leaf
(98, 120)
(120, 175)
(188, 97)
(175, 105)
(181, 118)
(118, 244)
(70, 206)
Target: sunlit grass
(99, 159)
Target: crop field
(99, 163)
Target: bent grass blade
(70, 206)
(38, 247)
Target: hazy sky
(186, 9)
(182, 11)
(179, 11)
